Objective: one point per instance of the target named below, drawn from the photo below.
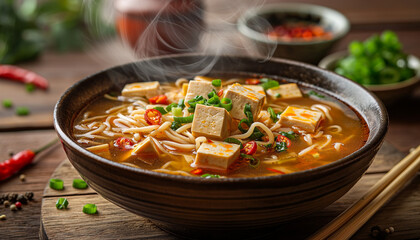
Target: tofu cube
(285, 91)
(298, 117)
(146, 151)
(101, 150)
(140, 89)
(258, 89)
(216, 155)
(211, 122)
(198, 88)
(241, 96)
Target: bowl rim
(334, 57)
(373, 142)
(285, 7)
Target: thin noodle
(251, 130)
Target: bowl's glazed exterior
(210, 207)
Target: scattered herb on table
(79, 184)
(62, 203)
(89, 208)
(56, 184)
(22, 111)
(7, 103)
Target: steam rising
(161, 27)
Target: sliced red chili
(252, 81)
(249, 148)
(160, 99)
(197, 171)
(153, 117)
(123, 143)
(281, 138)
(275, 170)
(209, 141)
(220, 92)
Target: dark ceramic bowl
(212, 208)
(254, 23)
(390, 94)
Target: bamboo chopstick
(372, 200)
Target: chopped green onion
(233, 140)
(30, 87)
(312, 92)
(79, 184)
(170, 106)
(213, 101)
(188, 119)
(7, 103)
(216, 82)
(253, 162)
(269, 83)
(177, 111)
(273, 115)
(56, 184)
(22, 111)
(161, 110)
(208, 175)
(175, 125)
(244, 120)
(61, 203)
(212, 94)
(89, 208)
(181, 104)
(191, 109)
(226, 104)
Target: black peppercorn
(29, 195)
(22, 199)
(12, 197)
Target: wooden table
(62, 70)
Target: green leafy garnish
(30, 87)
(280, 146)
(290, 135)
(233, 140)
(216, 82)
(208, 175)
(313, 93)
(175, 125)
(273, 115)
(257, 134)
(268, 83)
(253, 162)
(161, 110)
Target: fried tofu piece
(211, 122)
(140, 89)
(184, 89)
(307, 120)
(241, 96)
(198, 88)
(285, 91)
(202, 78)
(258, 89)
(216, 155)
(146, 151)
(101, 150)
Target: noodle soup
(215, 128)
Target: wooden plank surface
(113, 222)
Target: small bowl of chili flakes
(297, 31)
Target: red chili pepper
(197, 171)
(249, 148)
(123, 143)
(252, 81)
(153, 117)
(281, 138)
(276, 171)
(220, 93)
(209, 141)
(22, 75)
(160, 99)
(20, 160)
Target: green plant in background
(377, 60)
(27, 27)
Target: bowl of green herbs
(379, 64)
